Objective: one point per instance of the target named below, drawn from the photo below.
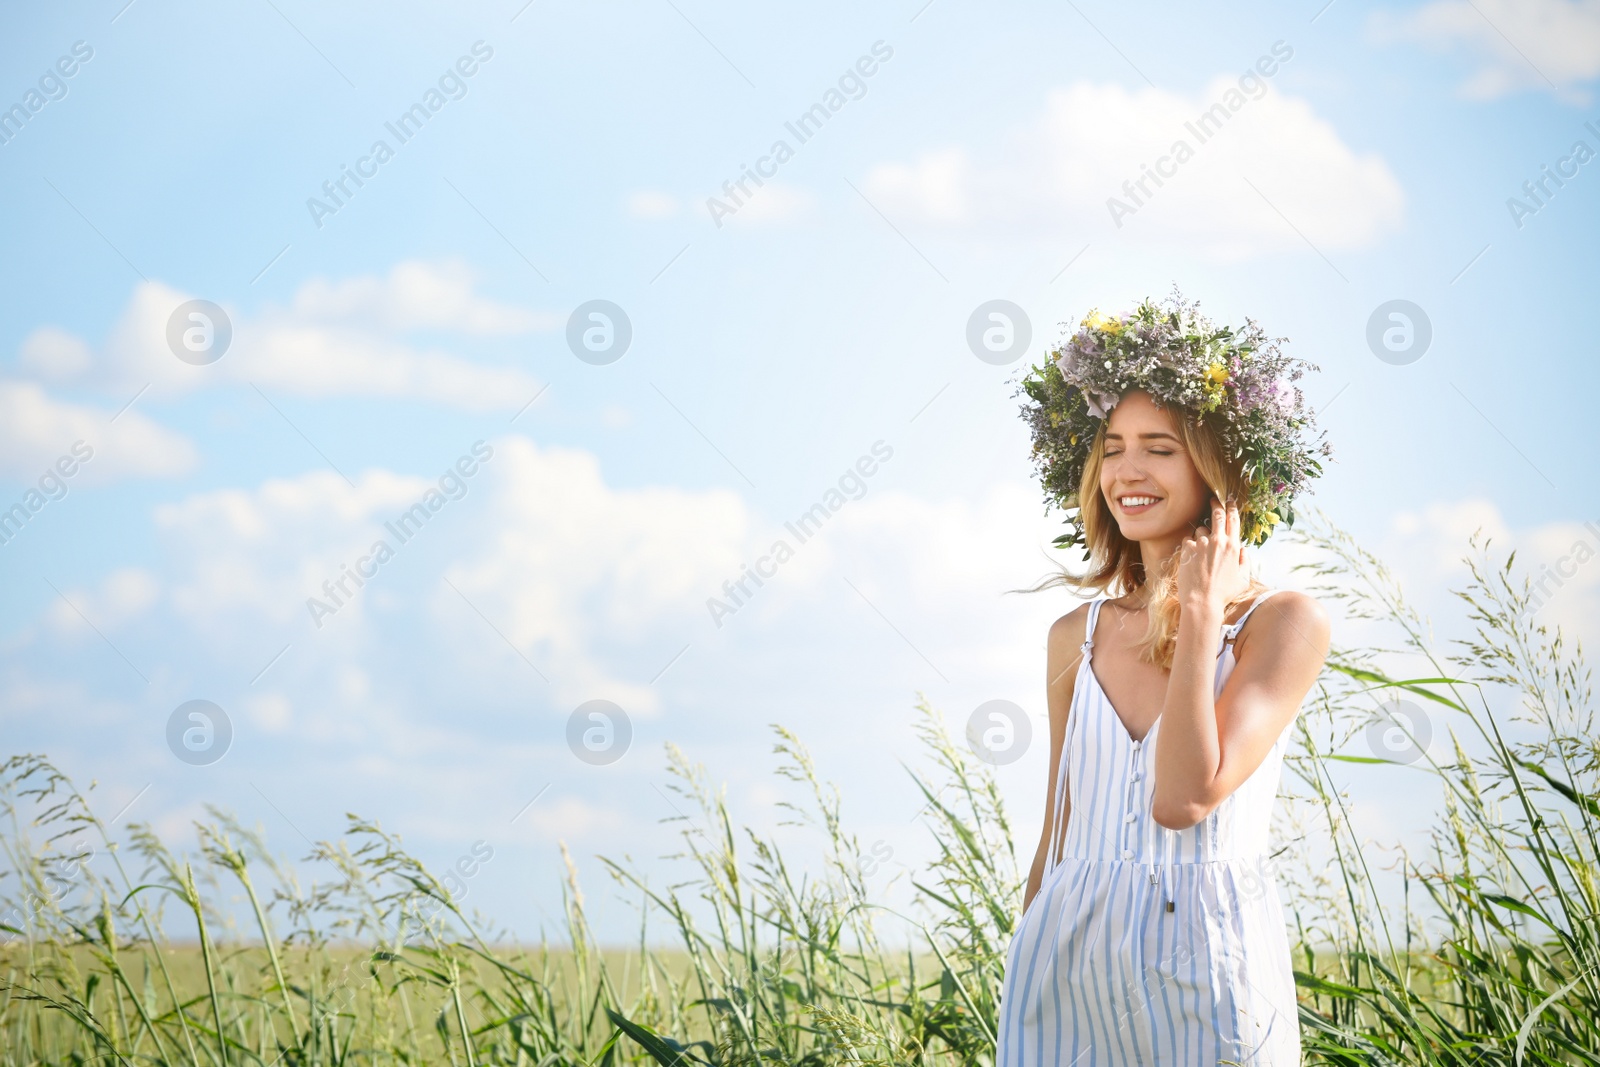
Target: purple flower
(1067, 359)
(1100, 404)
(1249, 392)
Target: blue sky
(771, 349)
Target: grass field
(1494, 960)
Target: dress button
(1137, 775)
(1127, 853)
(1128, 817)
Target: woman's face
(1149, 481)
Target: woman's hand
(1211, 569)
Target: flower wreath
(1237, 382)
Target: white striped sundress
(1103, 970)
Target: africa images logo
(1206, 125)
(852, 485)
(52, 86)
(452, 485)
(452, 85)
(852, 85)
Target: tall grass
(129, 954)
(1504, 966)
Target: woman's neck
(1155, 553)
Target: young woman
(1151, 931)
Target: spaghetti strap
(1059, 800)
(1088, 625)
(1231, 631)
(1253, 606)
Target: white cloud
(176, 826)
(37, 431)
(260, 552)
(597, 586)
(271, 712)
(1519, 44)
(575, 574)
(939, 185)
(774, 203)
(55, 354)
(652, 204)
(570, 818)
(123, 596)
(416, 296)
(944, 567)
(1061, 170)
(1445, 528)
(334, 340)
(322, 362)
(574, 564)
(1561, 558)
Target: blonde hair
(1116, 566)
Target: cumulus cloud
(123, 596)
(570, 818)
(774, 203)
(271, 712)
(55, 355)
(1551, 45)
(1439, 534)
(1063, 169)
(335, 339)
(594, 585)
(597, 585)
(416, 296)
(1561, 559)
(258, 553)
(573, 563)
(939, 186)
(652, 204)
(573, 572)
(37, 430)
(893, 543)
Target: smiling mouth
(1133, 504)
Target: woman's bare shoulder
(1063, 654)
(1072, 624)
(1067, 632)
(1291, 618)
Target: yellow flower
(1097, 321)
(1216, 374)
(1270, 518)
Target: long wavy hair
(1115, 565)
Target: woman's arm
(1209, 747)
(1062, 654)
